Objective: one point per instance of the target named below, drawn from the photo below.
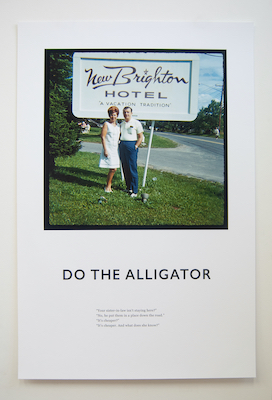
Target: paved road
(215, 146)
(199, 157)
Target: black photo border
(47, 226)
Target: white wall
(14, 11)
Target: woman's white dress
(112, 139)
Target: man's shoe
(133, 195)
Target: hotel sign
(156, 85)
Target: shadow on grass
(73, 175)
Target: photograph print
(135, 139)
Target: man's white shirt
(130, 130)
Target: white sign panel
(158, 86)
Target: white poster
(155, 287)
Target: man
(130, 139)
(217, 132)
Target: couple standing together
(130, 135)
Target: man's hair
(125, 108)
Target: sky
(210, 78)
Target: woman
(109, 157)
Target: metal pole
(220, 110)
(122, 172)
(148, 152)
(222, 93)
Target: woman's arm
(104, 131)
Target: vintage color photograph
(135, 139)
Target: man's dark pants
(128, 157)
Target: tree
(208, 119)
(63, 130)
(205, 123)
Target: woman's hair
(113, 109)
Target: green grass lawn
(77, 187)
(157, 141)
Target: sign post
(148, 152)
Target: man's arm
(140, 139)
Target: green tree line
(204, 124)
